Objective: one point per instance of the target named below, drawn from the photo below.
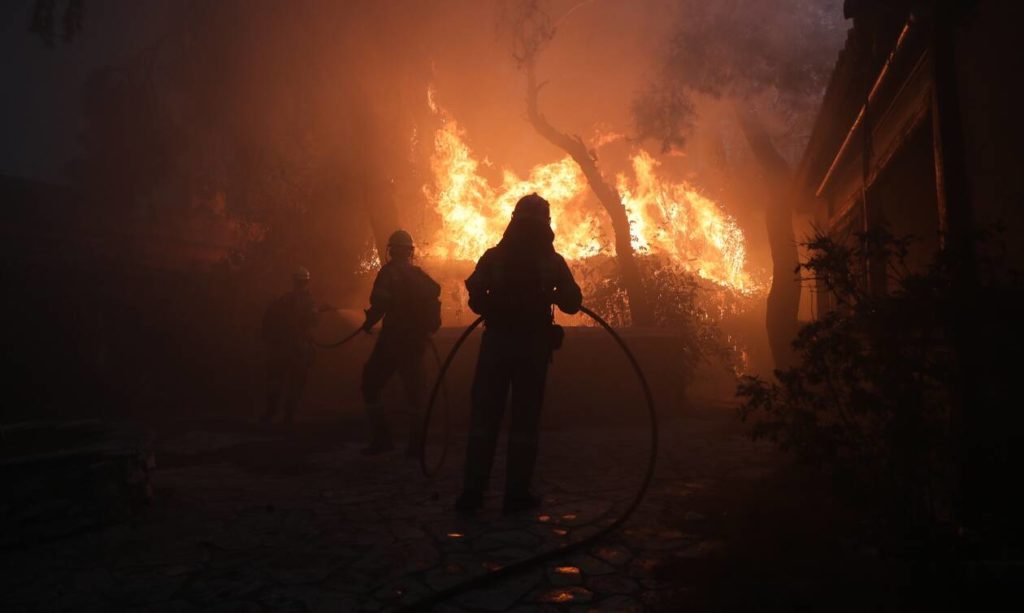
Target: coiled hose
(527, 563)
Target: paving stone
(233, 607)
(402, 591)
(496, 540)
(446, 575)
(300, 567)
(536, 608)
(704, 549)
(404, 531)
(644, 566)
(654, 598)
(369, 606)
(232, 584)
(565, 595)
(145, 586)
(448, 608)
(590, 565)
(613, 584)
(173, 606)
(653, 583)
(502, 595)
(613, 604)
(659, 540)
(613, 554)
(564, 574)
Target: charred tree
(783, 302)
(532, 31)
(639, 308)
(772, 59)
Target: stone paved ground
(269, 521)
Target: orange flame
(671, 220)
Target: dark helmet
(400, 238)
(301, 275)
(532, 207)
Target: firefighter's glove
(367, 324)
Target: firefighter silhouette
(406, 298)
(514, 287)
(288, 325)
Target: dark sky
(39, 109)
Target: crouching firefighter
(406, 298)
(288, 325)
(514, 287)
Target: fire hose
(437, 359)
(341, 342)
(527, 563)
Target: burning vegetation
(671, 223)
(668, 220)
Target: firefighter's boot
(380, 434)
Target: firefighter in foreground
(287, 331)
(406, 298)
(514, 287)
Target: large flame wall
(670, 220)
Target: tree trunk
(783, 302)
(640, 310)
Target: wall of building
(989, 68)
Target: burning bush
(685, 303)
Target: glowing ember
(566, 595)
(455, 535)
(671, 220)
(567, 570)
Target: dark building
(920, 128)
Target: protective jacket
(287, 329)
(289, 322)
(406, 298)
(514, 291)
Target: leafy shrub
(901, 394)
(869, 399)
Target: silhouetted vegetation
(882, 389)
(691, 307)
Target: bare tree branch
(529, 45)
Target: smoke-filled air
(511, 305)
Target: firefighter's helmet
(400, 238)
(301, 274)
(532, 206)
